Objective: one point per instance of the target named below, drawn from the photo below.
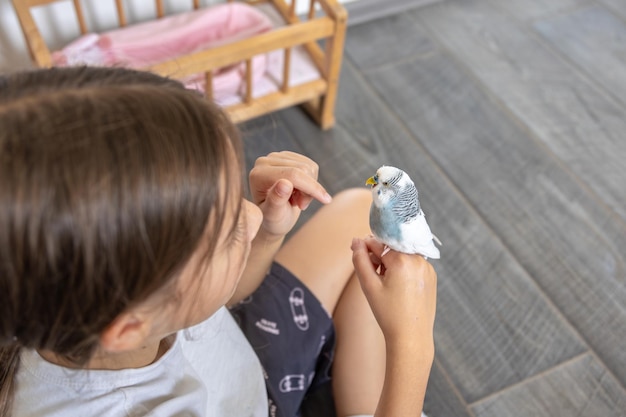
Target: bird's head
(387, 183)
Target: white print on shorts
(267, 326)
(296, 300)
(292, 383)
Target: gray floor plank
(568, 243)
(576, 121)
(442, 399)
(264, 135)
(595, 39)
(368, 10)
(581, 387)
(532, 9)
(388, 40)
(494, 327)
(618, 6)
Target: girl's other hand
(283, 184)
(403, 296)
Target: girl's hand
(282, 185)
(403, 296)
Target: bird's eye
(385, 183)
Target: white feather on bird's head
(387, 183)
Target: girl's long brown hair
(108, 179)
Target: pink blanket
(148, 43)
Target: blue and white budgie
(396, 218)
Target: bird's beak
(371, 181)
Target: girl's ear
(128, 331)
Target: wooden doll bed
(299, 71)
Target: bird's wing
(406, 204)
(419, 238)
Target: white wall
(59, 24)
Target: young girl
(124, 234)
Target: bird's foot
(385, 251)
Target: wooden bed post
(322, 108)
(334, 57)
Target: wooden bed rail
(235, 52)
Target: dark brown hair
(108, 180)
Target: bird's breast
(384, 223)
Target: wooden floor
(510, 116)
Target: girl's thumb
(280, 192)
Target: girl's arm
(282, 184)
(403, 298)
(264, 248)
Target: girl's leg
(319, 255)
(359, 367)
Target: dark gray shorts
(293, 336)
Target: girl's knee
(350, 209)
(361, 195)
(355, 199)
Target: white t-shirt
(210, 370)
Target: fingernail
(327, 198)
(355, 243)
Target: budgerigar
(396, 218)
